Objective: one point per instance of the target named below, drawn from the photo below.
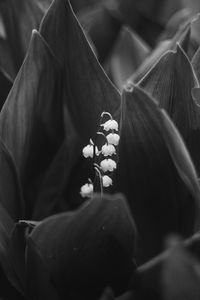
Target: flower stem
(105, 113)
(96, 167)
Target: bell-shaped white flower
(88, 151)
(107, 181)
(108, 150)
(87, 190)
(108, 165)
(110, 125)
(113, 138)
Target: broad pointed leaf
(130, 51)
(89, 249)
(38, 279)
(16, 251)
(146, 174)
(5, 86)
(180, 275)
(11, 281)
(165, 83)
(102, 28)
(60, 189)
(159, 51)
(196, 64)
(149, 277)
(31, 123)
(10, 187)
(20, 18)
(88, 90)
(182, 160)
(6, 61)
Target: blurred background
(122, 33)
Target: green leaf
(148, 177)
(89, 249)
(31, 124)
(88, 91)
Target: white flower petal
(113, 138)
(108, 165)
(86, 190)
(88, 151)
(110, 125)
(108, 150)
(107, 181)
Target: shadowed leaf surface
(172, 267)
(129, 52)
(165, 83)
(90, 249)
(159, 201)
(38, 280)
(20, 18)
(196, 64)
(181, 275)
(5, 86)
(10, 187)
(159, 51)
(16, 251)
(31, 120)
(88, 90)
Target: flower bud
(108, 165)
(88, 151)
(110, 125)
(113, 138)
(108, 150)
(107, 181)
(86, 190)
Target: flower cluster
(106, 162)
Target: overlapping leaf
(181, 267)
(5, 86)
(196, 65)
(31, 122)
(20, 18)
(10, 187)
(90, 249)
(38, 280)
(102, 29)
(161, 49)
(164, 275)
(88, 90)
(165, 83)
(129, 52)
(159, 201)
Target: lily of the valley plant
(99, 173)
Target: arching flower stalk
(103, 164)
